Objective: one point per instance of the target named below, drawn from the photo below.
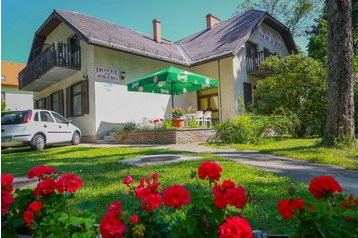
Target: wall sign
(103, 73)
(271, 37)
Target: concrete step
(109, 138)
(107, 141)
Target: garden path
(298, 170)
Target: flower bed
(211, 208)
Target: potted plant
(178, 117)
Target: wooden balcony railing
(55, 55)
(253, 63)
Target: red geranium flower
(6, 201)
(154, 176)
(28, 216)
(41, 171)
(111, 225)
(35, 206)
(6, 182)
(324, 186)
(68, 183)
(176, 196)
(210, 170)
(128, 180)
(236, 227)
(286, 207)
(229, 194)
(47, 186)
(148, 192)
(134, 219)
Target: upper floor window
(251, 50)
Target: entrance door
(208, 100)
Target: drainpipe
(219, 91)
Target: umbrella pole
(172, 93)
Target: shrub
(331, 213)
(240, 130)
(167, 124)
(213, 210)
(297, 84)
(128, 126)
(178, 113)
(45, 211)
(252, 129)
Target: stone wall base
(179, 136)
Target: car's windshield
(13, 117)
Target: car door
(64, 128)
(48, 126)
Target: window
(59, 118)
(40, 104)
(77, 99)
(247, 94)
(3, 77)
(2, 95)
(251, 50)
(36, 117)
(46, 117)
(55, 103)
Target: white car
(36, 128)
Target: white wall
(115, 105)
(17, 101)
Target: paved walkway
(298, 170)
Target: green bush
(253, 129)
(129, 126)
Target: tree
(340, 114)
(298, 84)
(295, 14)
(3, 105)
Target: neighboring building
(15, 99)
(80, 66)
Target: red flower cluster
(31, 209)
(7, 199)
(46, 186)
(41, 172)
(128, 180)
(65, 183)
(155, 121)
(229, 194)
(148, 192)
(112, 226)
(286, 207)
(68, 183)
(176, 196)
(236, 227)
(324, 186)
(210, 170)
(134, 219)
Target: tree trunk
(340, 118)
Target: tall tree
(340, 115)
(295, 14)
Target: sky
(21, 18)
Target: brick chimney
(211, 21)
(157, 32)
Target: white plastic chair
(207, 118)
(199, 117)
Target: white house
(80, 66)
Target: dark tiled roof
(111, 35)
(221, 39)
(224, 38)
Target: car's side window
(36, 117)
(59, 118)
(46, 117)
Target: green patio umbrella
(172, 81)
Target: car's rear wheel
(38, 142)
(76, 138)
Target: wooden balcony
(57, 62)
(253, 63)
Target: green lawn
(103, 176)
(304, 149)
